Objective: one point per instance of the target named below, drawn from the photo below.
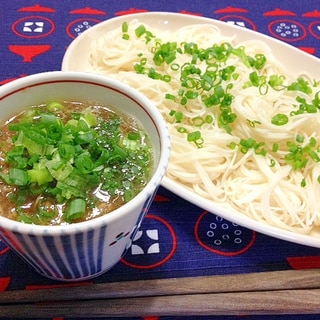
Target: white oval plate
(77, 59)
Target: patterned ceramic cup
(87, 249)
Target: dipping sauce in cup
(78, 236)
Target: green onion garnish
(208, 75)
(66, 161)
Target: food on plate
(244, 131)
(66, 162)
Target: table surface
(177, 238)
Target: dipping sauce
(67, 162)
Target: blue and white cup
(83, 250)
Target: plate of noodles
(242, 109)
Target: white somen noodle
(245, 180)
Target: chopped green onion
(125, 26)
(300, 85)
(18, 177)
(40, 176)
(280, 119)
(76, 210)
(196, 138)
(139, 31)
(208, 119)
(272, 163)
(170, 96)
(232, 145)
(175, 66)
(54, 106)
(276, 82)
(299, 138)
(198, 121)
(182, 130)
(178, 116)
(260, 61)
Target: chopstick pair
(278, 292)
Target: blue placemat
(177, 239)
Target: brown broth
(99, 201)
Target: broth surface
(68, 162)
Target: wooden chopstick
(260, 281)
(277, 292)
(238, 303)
